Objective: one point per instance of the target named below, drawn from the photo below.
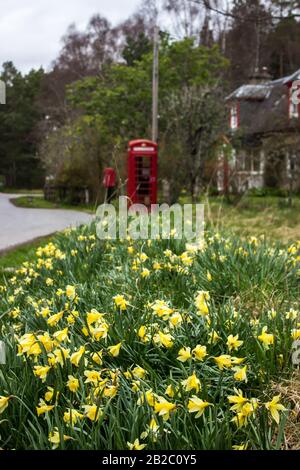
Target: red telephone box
(142, 172)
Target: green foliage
(18, 121)
(136, 48)
(190, 105)
(247, 280)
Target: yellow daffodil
(3, 403)
(70, 292)
(233, 342)
(240, 446)
(145, 272)
(241, 419)
(191, 383)
(199, 352)
(184, 354)
(92, 376)
(120, 302)
(71, 416)
(139, 372)
(161, 309)
(49, 394)
(41, 372)
(237, 400)
(62, 335)
(97, 357)
(237, 360)
(135, 445)
(150, 397)
(274, 407)
(93, 316)
(93, 412)
(295, 334)
(115, 350)
(240, 374)
(163, 339)
(201, 302)
(170, 391)
(142, 333)
(54, 438)
(73, 383)
(43, 408)
(110, 391)
(223, 361)
(163, 408)
(175, 319)
(214, 337)
(266, 338)
(76, 356)
(196, 405)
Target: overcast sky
(30, 30)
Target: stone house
(264, 135)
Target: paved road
(18, 225)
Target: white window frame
(234, 116)
(293, 106)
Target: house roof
(264, 107)
(286, 80)
(248, 92)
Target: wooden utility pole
(155, 85)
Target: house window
(234, 121)
(293, 105)
(256, 161)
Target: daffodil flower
(197, 405)
(274, 407)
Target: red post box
(142, 172)
(109, 178)
(109, 182)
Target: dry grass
(290, 391)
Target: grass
(123, 344)
(35, 192)
(267, 216)
(34, 202)
(14, 257)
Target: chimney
(260, 76)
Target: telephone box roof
(141, 142)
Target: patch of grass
(21, 191)
(14, 257)
(34, 202)
(290, 389)
(258, 216)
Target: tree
(246, 40)
(18, 121)
(190, 105)
(283, 45)
(192, 112)
(135, 48)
